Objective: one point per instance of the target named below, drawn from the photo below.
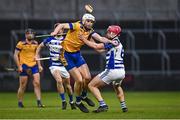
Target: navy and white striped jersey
(54, 46)
(114, 57)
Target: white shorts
(114, 76)
(63, 72)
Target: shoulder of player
(21, 42)
(77, 24)
(49, 39)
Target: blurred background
(150, 36)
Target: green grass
(149, 105)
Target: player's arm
(98, 50)
(91, 43)
(99, 38)
(16, 59)
(40, 46)
(60, 28)
(99, 47)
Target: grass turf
(142, 105)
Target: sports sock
(62, 97)
(78, 99)
(38, 102)
(70, 98)
(20, 103)
(84, 94)
(123, 104)
(102, 103)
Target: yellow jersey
(71, 42)
(27, 52)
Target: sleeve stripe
(71, 26)
(18, 49)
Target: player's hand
(53, 34)
(81, 37)
(20, 69)
(36, 57)
(40, 68)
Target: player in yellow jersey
(72, 58)
(24, 57)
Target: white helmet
(88, 16)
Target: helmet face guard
(30, 34)
(88, 16)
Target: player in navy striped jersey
(57, 69)
(114, 71)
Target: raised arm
(60, 28)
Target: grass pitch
(141, 105)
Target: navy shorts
(27, 69)
(73, 59)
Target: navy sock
(78, 99)
(62, 96)
(70, 98)
(84, 94)
(19, 103)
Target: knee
(59, 81)
(22, 86)
(36, 84)
(87, 78)
(68, 86)
(79, 81)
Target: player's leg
(60, 88)
(68, 61)
(22, 86)
(37, 89)
(84, 70)
(36, 84)
(66, 80)
(69, 91)
(120, 75)
(94, 86)
(78, 86)
(120, 95)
